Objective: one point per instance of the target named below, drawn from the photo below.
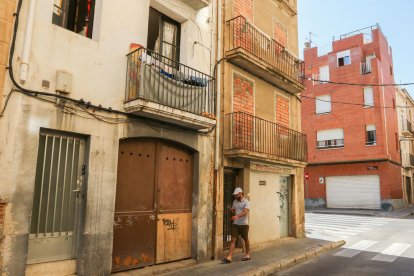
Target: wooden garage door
(362, 191)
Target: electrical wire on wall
(81, 105)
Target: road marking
(356, 248)
(392, 252)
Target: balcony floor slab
(168, 114)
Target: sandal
(246, 259)
(227, 261)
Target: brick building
(353, 141)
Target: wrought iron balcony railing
(156, 78)
(247, 132)
(243, 35)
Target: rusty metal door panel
(135, 218)
(134, 241)
(175, 179)
(173, 237)
(136, 176)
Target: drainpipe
(24, 66)
(218, 19)
(218, 80)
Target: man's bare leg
(232, 245)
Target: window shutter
(343, 54)
(324, 73)
(330, 134)
(323, 104)
(368, 96)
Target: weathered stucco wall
(98, 67)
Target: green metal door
(57, 196)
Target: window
(164, 36)
(323, 104)
(74, 15)
(324, 73)
(371, 135)
(368, 97)
(330, 138)
(344, 58)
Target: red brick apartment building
(353, 142)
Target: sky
(331, 18)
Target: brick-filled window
(243, 101)
(244, 8)
(280, 33)
(282, 111)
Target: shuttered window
(330, 138)
(323, 104)
(324, 73)
(368, 97)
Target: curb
(345, 213)
(294, 260)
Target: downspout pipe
(24, 66)
(218, 82)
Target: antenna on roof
(308, 43)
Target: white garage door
(362, 191)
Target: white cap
(237, 190)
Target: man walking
(240, 225)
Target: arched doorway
(153, 205)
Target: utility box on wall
(63, 82)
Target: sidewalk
(264, 261)
(398, 213)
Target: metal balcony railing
(366, 68)
(247, 132)
(156, 78)
(244, 35)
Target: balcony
(161, 88)
(366, 68)
(407, 129)
(197, 4)
(250, 49)
(247, 136)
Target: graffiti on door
(170, 224)
(283, 195)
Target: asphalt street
(374, 246)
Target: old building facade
(261, 147)
(107, 141)
(354, 150)
(405, 108)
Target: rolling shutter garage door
(361, 191)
